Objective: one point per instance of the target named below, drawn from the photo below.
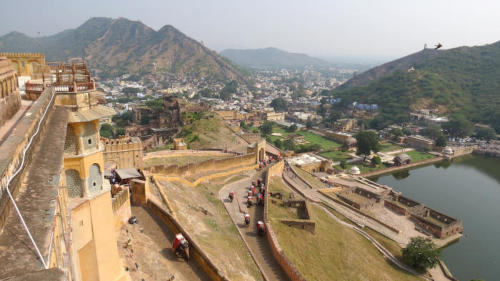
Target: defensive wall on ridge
(278, 253)
(11, 149)
(212, 165)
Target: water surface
(467, 188)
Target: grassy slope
(210, 133)
(214, 231)
(334, 252)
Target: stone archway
(94, 182)
(73, 183)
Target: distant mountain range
(271, 58)
(120, 45)
(462, 80)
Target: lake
(467, 188)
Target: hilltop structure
(56, 211)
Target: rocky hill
(271, 58)
(462, 80)
(121, 45)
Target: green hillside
(463, 80)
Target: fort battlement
(21, 55)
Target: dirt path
(150, 256)
(259, 246)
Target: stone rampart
(121, 208)
(278, 253)
(196, 253)
(205, 166)
(11, 149)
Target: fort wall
(12, 148)
(121, 208)
(278, 253)
(196, 253)
(123, 152)
(212, 165)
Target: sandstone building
(54, 172)
(10, 100)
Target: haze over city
(256, 140)
(379, 30)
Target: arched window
(73, 183)
(95, 179)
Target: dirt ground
(146, 250)
(202, 214)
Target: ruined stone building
(52, 173)
(156, 125)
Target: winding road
(258, 245)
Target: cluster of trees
(368, 141)
(229, 89)
(123, 119)
(279, 105)
(131, 91)
(421, 254)
(111, 132)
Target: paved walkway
(258, 245)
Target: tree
(266, 128)
(486, 133)
(432, 131)
(406, 131)
(229, 89)
(120, 132)
(106, 131)
(288, 144)
(321, 111)
(441, 141)
(309, 124)
(279, 105)
(292, 128)
(396, 132)
(278, 143)
(421, 253)
(144, 119)
(131, 90)
(367, 142)
(376, 160)
(459, 126)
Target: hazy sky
(353, 28)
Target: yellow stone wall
(25, 63)
(95, 251)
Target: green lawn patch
(388, 147)
(419, 156)
(336, 155)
